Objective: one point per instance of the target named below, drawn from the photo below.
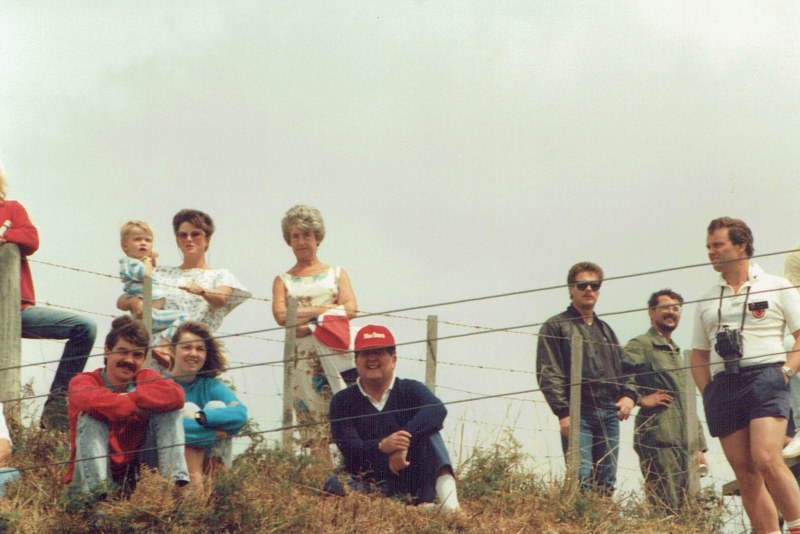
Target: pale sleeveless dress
(311, 391)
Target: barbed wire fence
(518, 405)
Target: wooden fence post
(431, 355)
(690, 407)
(147, 302)
(288, 362)
(575, 378)
(10, 330)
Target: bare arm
(700, 368)
(347, 298)
(793, 356)
(305, 313)
(5, 452)
(216, 297)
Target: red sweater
(89, 394)
(24, 234)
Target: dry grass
(272, 491)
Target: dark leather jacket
(603, 379)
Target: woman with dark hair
(212, 412)
(201, 292)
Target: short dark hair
(216, 362)
(738, 232)
(653, 302)
(131, 330)
(580, 267)
(196, 218)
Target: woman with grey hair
(319, 288)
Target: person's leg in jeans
(164, 446)
(47, 323)
(585, 466)
(80, 331)
(91, 467)
(605, 449)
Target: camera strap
(744, 308)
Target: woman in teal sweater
(212, 412)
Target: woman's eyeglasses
(194, 234)
(583, 286)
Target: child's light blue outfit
(223, 411)
(131, 272)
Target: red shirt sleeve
(156, 393)
(22, 232)
(89, 395)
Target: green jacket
(602, 383)
(658, 366)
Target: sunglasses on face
(195, 234)
(583, 286)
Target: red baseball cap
(373, 336)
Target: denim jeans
(80, 331)
(7, 474)
(162, 448)
(599, 445)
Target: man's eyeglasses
(583, 286)
(194, 234)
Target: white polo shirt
(770, 309)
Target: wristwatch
(788, 371)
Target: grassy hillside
(273, 491)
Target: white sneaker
(793, 448)
(702, 470)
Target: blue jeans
(162, 448)
(7, 474)
(599, 445)
(47, 323)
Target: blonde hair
(305, 218)
(126, 229)
(3, 185)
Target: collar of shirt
(753, 273)
(130, 387)
(385, 397)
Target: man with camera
(738, 338)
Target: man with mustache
(122, 415)
(654, 359)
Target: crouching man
(121, 416)
(387, 429)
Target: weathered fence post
(690, 408)
(575, 378)
(288, 362)
(147, 302)
(431, 354)
(10, 330)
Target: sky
(455, 149)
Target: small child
(136, 238)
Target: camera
(729, 346)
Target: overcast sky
(455, 149)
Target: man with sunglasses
(607, 396)
(740, 366)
